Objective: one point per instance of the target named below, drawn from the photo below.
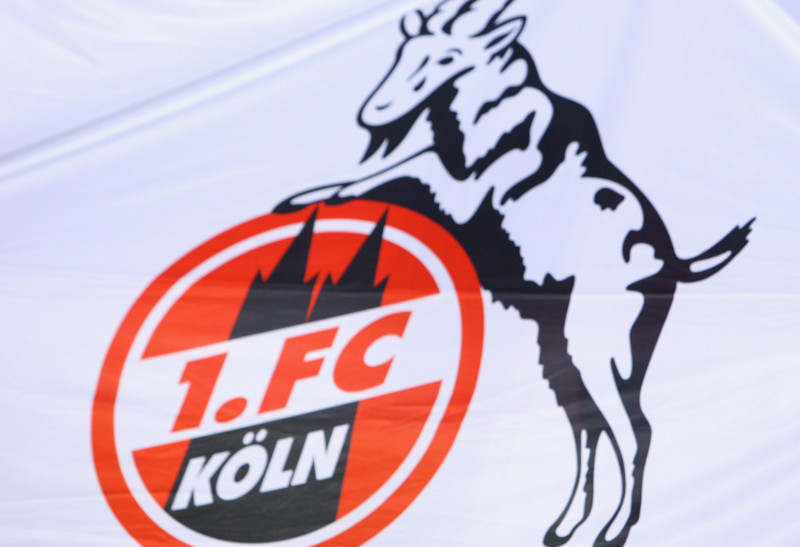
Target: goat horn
(412, 24)
(478, 15)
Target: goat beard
(392, 133)
(448, 139)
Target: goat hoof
(618, 541)
(552, 539)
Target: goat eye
(445, 60)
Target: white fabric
(132, 131)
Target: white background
(130, 132)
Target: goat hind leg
(548, 306)
(599, 331)
(580, 500)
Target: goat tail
(724, 250)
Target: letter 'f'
(293, 366)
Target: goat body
(519, 176)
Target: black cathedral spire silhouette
(356, 289)
(284, 299)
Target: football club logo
(267, 389)
(298, 379)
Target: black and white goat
(519, 176)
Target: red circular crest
(296, 380)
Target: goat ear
(499, 38)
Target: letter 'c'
(351, 372)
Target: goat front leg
(309, 197)
(412, 166)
